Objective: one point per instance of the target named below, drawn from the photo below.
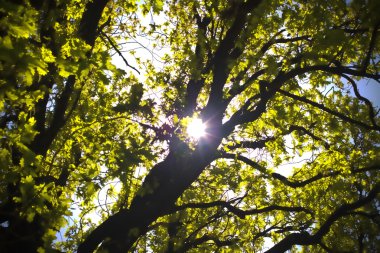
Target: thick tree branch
(371, 47)
(226, 52)
(196, 83)
(87, 31)
(306, 239)
(88, 27)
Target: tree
(273, 81)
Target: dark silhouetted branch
(251, 144)
(371, 47)
(239, 212)
(244, 159)
(305, 238)
(307, 132)
(205, 238)
(114, 46)
(365, 100)
(297, 184)
(330, 111)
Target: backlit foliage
(95, 98)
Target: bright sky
(371, 90)
(196, 128)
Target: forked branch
(305, 238)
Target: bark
(169, 179)
(19, 235)
(161, 188)
(87, 32)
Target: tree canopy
(95, 155)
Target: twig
(118, 51)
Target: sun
(196, 129)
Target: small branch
(239, 212)
(261, 143)
(307, 132)
(117, 50)
(338, 70)
(365, 100)
(284, 40)
(247, 83)
(297, 184)
(285, 180)
(328, 110)
(371, 216)
(251, 144)
(244, 159)
(198, 241)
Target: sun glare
(196, 129)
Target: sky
(371, 90)
(368, 89)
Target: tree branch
(371, 47)
(244, 159)
(328, 110)
(286, 181)
(239, 212)
(117, 50)
(248, 82)
(283, 40)
(87, 32)
(196, 83)
(226, 52)
(261, 143)
(306, 239)
(88, 26)
(251, 144)
(365, 100)
(307, 132)
(198, 241)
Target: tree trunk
(161, 188)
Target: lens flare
(196, 129)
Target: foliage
(95, 155)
